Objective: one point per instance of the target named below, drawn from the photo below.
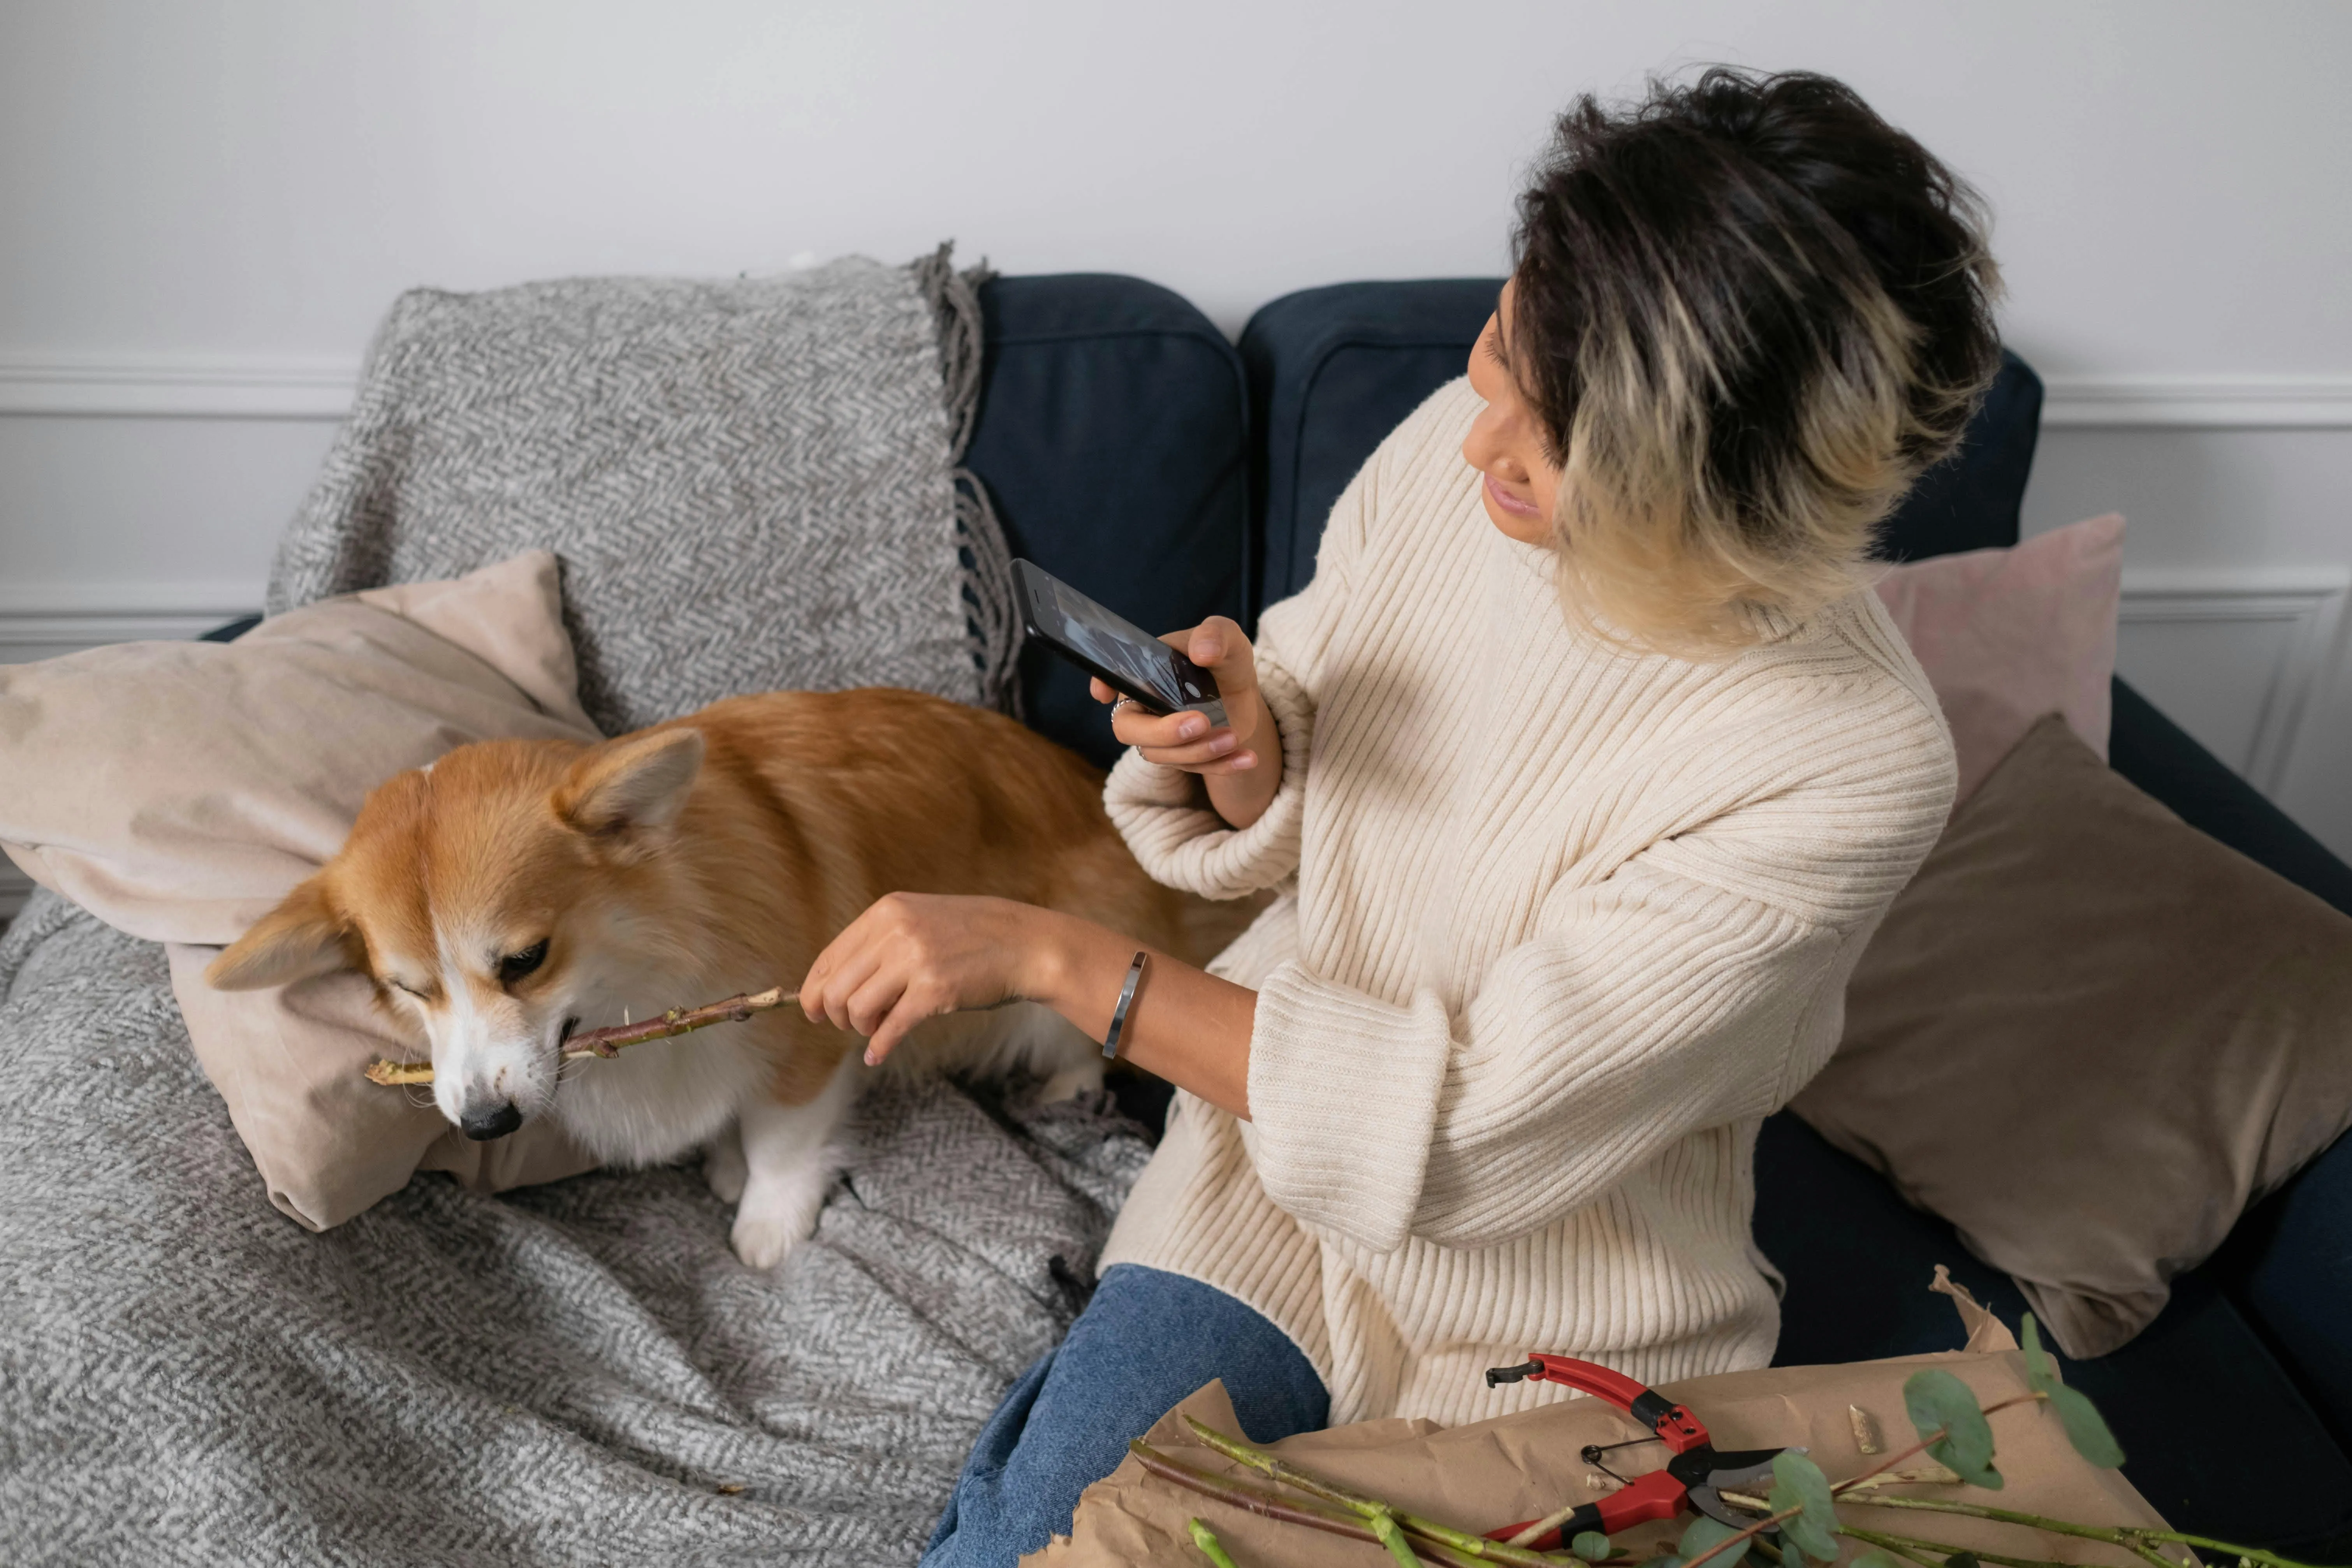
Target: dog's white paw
(777, 1216)
(1086, 1078)
(724, 1168)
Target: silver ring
(1123, 703)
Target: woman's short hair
(1748, 313)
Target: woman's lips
(1507, 501)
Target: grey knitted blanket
(750, 485)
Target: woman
(1594, 762)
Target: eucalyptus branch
(1264, 1501)
(1276, 1468)
(1921, 1447)
(1905, 1546)
(605, 1041)
(2131, 1537)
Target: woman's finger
(1240, 761)
(1219, 745)
(846, 964)
(1135, 727)
(912, 1007)
(871, 1002)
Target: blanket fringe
(954, 298)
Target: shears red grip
(1696, 1474)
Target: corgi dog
(512, 892)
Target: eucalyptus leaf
(1798, 1484)
(2040, 1371)
(2086, 1429)
(1962, 1560)
(1936, 1400)
(1875, 1558)
(1704, 1534)
(1591, 1545)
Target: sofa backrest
(1333, 370)
(1112, 438)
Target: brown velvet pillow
(2089, 1037)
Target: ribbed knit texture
(1566, 922)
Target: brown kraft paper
(1491, 1473)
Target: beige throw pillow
(2089, 1036)
(178, 791)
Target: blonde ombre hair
(1749, 314)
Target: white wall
(203, 206)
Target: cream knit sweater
(1562, 923)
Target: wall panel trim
(2307, 602)
(162, 386)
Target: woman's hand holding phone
(1241, 765)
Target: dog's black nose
(482, 1125)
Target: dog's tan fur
(712, 855)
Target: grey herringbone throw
(750, 487)
(566, 1374)
(751, 484)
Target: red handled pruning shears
(1696, 1474)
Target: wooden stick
(605, 1041)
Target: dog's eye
(515, 965)
(398, 985)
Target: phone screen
(1123, 654)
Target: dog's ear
(303, 936)
(623, 785)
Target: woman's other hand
(912, 956)
(1240, 762)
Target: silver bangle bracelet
(1126, 1000)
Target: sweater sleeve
(1164, 813)
(1642, 1009)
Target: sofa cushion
(1112, 438)
(1333, 370)
(273, 743)
(2089, 1036)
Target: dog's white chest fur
(655, 1102)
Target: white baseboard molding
(2198, 402)
(2279, 629)
(162, 386)
(46, 620)
(169, 387)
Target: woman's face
(1506, 443)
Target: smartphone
(1122, 655)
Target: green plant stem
(1211, 1547)
(1908, 1547)
(2132, 1537)
(1279, 1469)
(1384, 1525)
(1266, 1503)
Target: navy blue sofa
(1130, 449)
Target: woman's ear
(626, 786)
(303, 936)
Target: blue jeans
(1148, 1338)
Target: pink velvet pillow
(2007, 635)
